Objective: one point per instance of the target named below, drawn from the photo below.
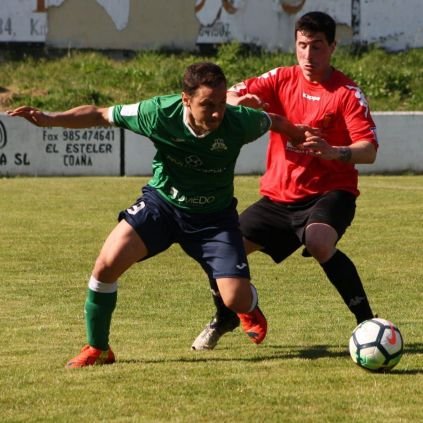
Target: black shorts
(279, 227)
(214, 240)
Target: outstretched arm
(77, 117)
(296, 133)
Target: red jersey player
(309, 190)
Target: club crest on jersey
(327, 120)
(218, 145)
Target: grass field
(59, 80)
(51, 230)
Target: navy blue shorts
(214, 240)
(279, 228)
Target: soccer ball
(376, 345)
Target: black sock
(222, 312)
(342, 273)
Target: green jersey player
(193, 172)
(189, 200)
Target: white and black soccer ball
(376, 345)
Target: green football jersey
(193, 173)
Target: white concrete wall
(391, 24)
(400, 138)
(148, 24)
(28, 150)
(400, 143)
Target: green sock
(98, 316)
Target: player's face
(314, 54)
(206, 108)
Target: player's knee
(236, 293)
(321, 251)
(230, 299)
(103, 269)
(237, 301)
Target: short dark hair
(202, 73)
(313, 22)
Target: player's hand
(301, 134)
(31, 114)
(309, 130)
(319, 147)
(253, 101)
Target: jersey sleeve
(264, 86)
(138, 117)
(255, 123)
(358, 119)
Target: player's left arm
(363, 152)
(360, 145)
(360, 152)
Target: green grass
(60, 80)
(51, 230)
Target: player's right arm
(240, 95)
(248, 100)
(254, 92)
(78, 117)
(295, 133)
(280, 124)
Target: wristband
(345, 154)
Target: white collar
(190, 129)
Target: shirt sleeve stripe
(110, 115)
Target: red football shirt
(337, 107)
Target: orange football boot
(90, 356)
(254, 325)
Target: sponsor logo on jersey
(175, 160)
(174, 194)
(193, 161)
(199, 200)
(311, 97)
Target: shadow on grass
(414, 348)
(280, 352)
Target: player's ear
(185, 99)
